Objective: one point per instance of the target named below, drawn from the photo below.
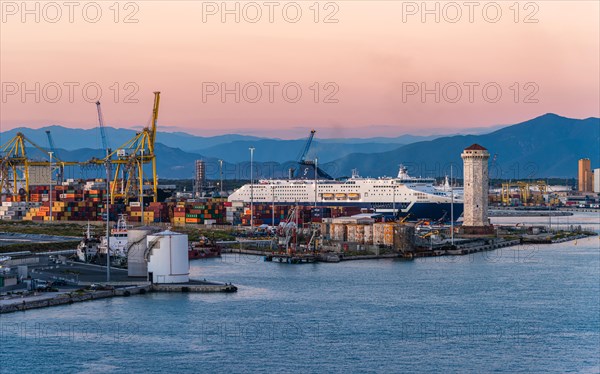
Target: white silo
(167, 256)
(136, 251)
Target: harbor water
(533, 308)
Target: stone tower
(476, 182)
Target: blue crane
(102, 131)
(61, 167)
(302, 158)
(308, 168)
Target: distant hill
(231, 147)
(281, 150)
(546, 146)
(72, 139)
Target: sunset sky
(369, 62)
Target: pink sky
(368, 56)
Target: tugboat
(204, 248)
(118, 244)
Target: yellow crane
(525, 193)
(405, 218)
(15, 164)
(430, 233)
(128, 159)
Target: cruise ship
(400, 196)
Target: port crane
(61, 167)
(102, 130)
(524, 188)
(288, 230)
(15, 164)
(128, 158)
(309, 140)
(309, 168)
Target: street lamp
(50, 199)
(273, 205)
(251, 187)
(316, 179)
(221, 175)
(107, 215)
(394, 199)
(142, 185)
(451, 206)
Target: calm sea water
(524, 309)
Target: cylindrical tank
(168, 257)
(136, 243)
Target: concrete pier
(48, 299)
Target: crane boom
(307, 146)
(154, 118)
(101, 124)
(50, 142)
(61, 167)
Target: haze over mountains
(546, 146)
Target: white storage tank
(136, 245)
(168, 257)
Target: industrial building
(585, 175)
(199, 178)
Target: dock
(87, 282)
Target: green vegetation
(39, 247)
(46, 228)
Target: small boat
(353, 196)
(340, 196)
(205, 248)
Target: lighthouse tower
(476, 182)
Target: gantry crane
(525, 194)
(14, 161)
(129, 160)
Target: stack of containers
(153, 213)
(14, 210)
(156, 212)
(63, 211)
(205, 213)
(263, 214)
(134, 212)
(234, 212)
(208, 212)
(179, 214)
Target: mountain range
(546, 146)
